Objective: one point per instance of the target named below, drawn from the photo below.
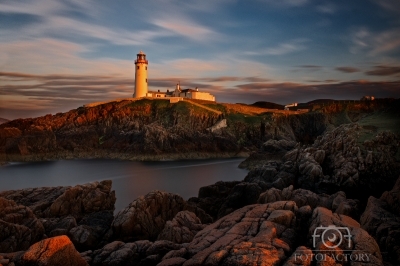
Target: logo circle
(332, 238)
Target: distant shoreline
(123, 156)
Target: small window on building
(146, 80)
(137, 67)
(146, 68)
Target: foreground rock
(56, 251)
(349, 238)
(83, 212)
(182, 228)
(223, 198)
(381, 219)
(146, 216)
(76, 201)
(19, 228)
(336, 202)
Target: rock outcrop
(93, 231)
(57, 202)
(336, 235)
(83, 212)
(336, 161)
(336, 202)
(56, 251)
(381, 219)
(268, 234)
(19, 227)
(182, 228)
(146, 216)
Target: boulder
(301, 257)
(91, 231)
(118, 253)
(211, 198)
(54, 251)
(58, 202)
(146, 216)
(276, 146)
(241, 195)
(81, 200)
(58, 226)
(381, 219)
(142, 252)
(335, 234)
(336, 202)
(244, 237)
(19, 227)
(182, 228)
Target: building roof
(188, 90)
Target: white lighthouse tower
(140, 75)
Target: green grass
(378, 122)
(382, 121)
(248, 119)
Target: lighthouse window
(137, 67)
(146, 68)
(146, 80)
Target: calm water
(130, 179)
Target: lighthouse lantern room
(140, 75)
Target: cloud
(55, 56)
(283, 48)
(310, 67)
(287, 3)
(383, 70)
(388, 5)
(327, 8)
(27, 95)
(185, 27)
(375, 43)
(345, 69)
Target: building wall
(198, 95)
(140, 80)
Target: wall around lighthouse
(140, 80)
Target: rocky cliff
(156, 129)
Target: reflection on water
(130, 179)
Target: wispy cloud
(346, 69)
(186, 28)
(375, 43)
(287, 3)
(283, 48)
(383, 70)
(327, 8)
(311, 68)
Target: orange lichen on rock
(53, 251)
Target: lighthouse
(140, 75)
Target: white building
(194, 94)
(290, 105)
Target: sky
(57, 55)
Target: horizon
(58, 55)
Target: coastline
(124, 156)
